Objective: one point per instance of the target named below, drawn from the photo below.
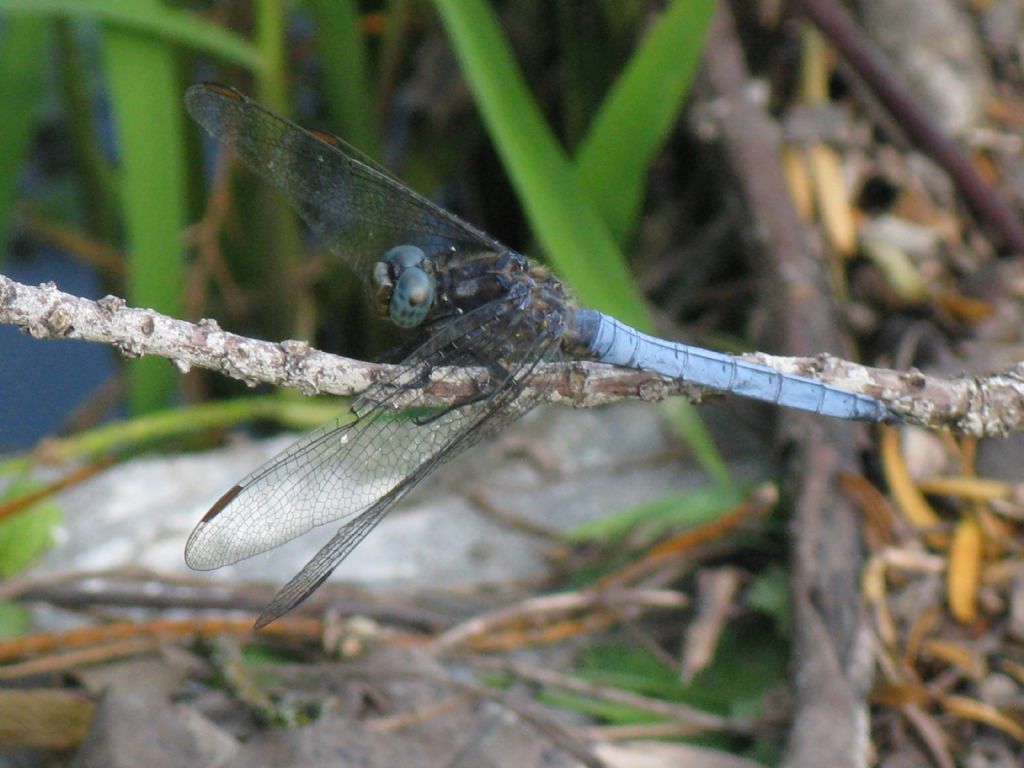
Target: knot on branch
(58, 321)
(130, 348)
(8, 291)
(296, 356)
(111, 305)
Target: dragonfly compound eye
(407, 286)
(405, 256)
(411, 298)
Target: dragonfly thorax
(405, 285)
(414, 289)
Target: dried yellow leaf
(964, 572)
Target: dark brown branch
(869, 63)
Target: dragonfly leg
(422, 421)
(498, 371)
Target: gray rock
(556, 469)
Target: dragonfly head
(405, 285)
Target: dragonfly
(476, 304)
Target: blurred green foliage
(27, 533)
(748, 670)
(623, 78)
(23, 537)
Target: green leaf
(684, 509)
(270, 35)
(131, 436)
(146, 99)
(572, 234)
(633, 668)
(609, 711)
(342, 54)
(639, 113)
(769, 593)
(14, 619)
(747, 664)
(23, 536)
(22, 47)
(615, 156)
(94, 177)
(151, 20)
(274, 230)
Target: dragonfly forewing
(485, 318)
(460, 427)
(342, 469)
(359, 211)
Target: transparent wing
(354, 471)
(463, 428)
(360, 211)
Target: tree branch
(45, 312)
(981, 406)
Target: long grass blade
(145, 95)
(143, 18)
(638, 114)
(343, 57)
(97, 183)
(562, 210)
(572, 234)
(21, 56)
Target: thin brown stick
(548, 608)
(163, 630)
(85, 590)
